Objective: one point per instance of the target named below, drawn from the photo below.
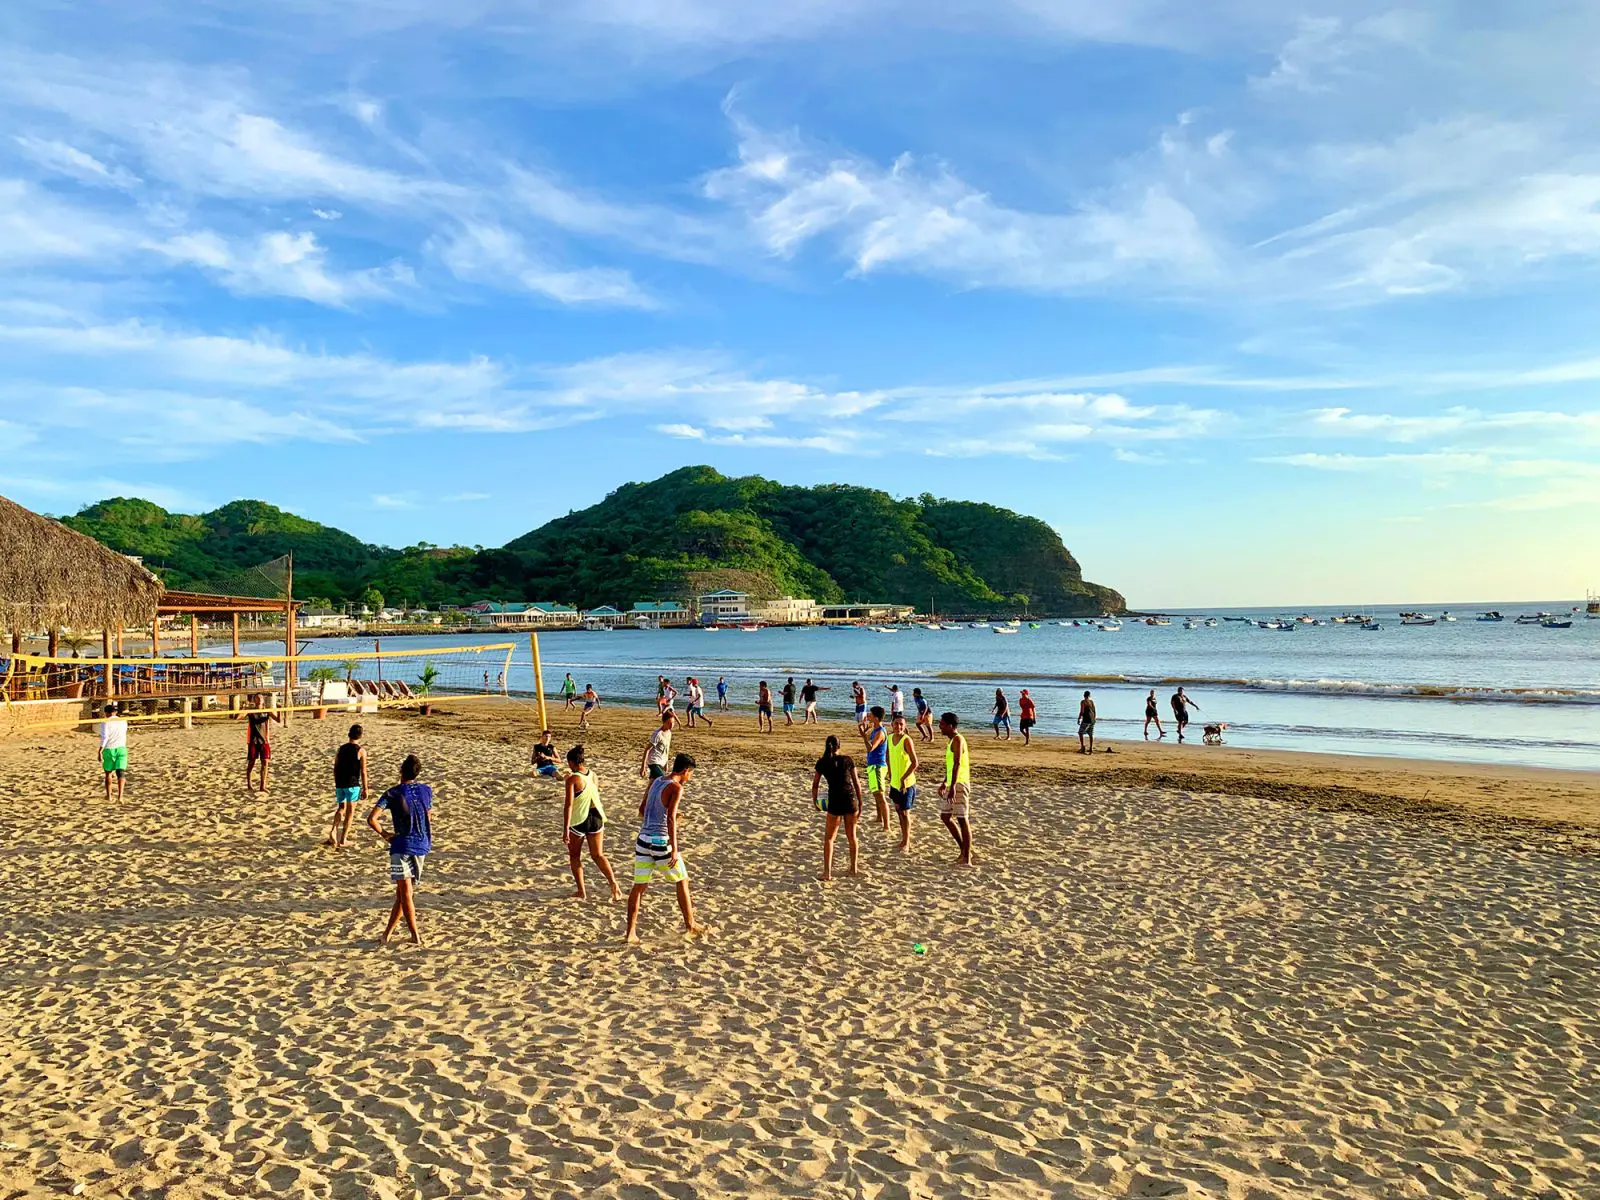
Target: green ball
(918, 948)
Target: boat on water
(1246, 620)
(1552, 623)
(1371, 626)
(749, 628)
(1444, 616)
(1306, 619)
(1191, 623)
(978, 625)
(1033, 624)
(1067, 624)
(1004, 629)
(1490, 616)
(1417, 620)
(1534, 618)
(1109, 626)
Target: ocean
(1464, 691)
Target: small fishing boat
(1371, 626)
(1067, 624)
(1191, 623)
(1211, 622)
(1246, 620)
(1109, 626)
(1306, 619)
(1491, 616)
(749, 628)
(1033, 624)
(978, 625)
(1004, 629)
(1552, 623)
(1534, 618)
(1445, 616)
(1415, 619)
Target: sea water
(1465, 691)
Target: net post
(538, 680)
(110, 668)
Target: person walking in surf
(1152, 712)
(1181, 705)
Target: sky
(1253, 300)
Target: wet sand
(1176, 971)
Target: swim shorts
(1026, 724)
(114, 759)
(1085, 728)
(406, 866)
(788, 707)
(257, 752)
(877, 778)
(957, 801)
(903, 800)
(652, 862)
(861, 713)
(764, 710)
(657, 771)
(593, 823)
(547, 770)
(349, 795)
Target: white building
(725, 605)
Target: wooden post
(155, 635)
(194, 635)
(538, 679)
(53, 641)
(291, 671)
(111, 671)
(117, 642)
(236, 635)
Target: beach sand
(1174, 972)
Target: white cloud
(1444, 461)
(488, 253)
(37, 227)
(284, 264)
(388, 500)
(59, 157)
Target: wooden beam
(236, 635)
(155, 635)
(111, 672)
(194, 635)
(53, 642)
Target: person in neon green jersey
(956, 790)
(584, 821)
(902, 775)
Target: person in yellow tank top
(902, 775)
(956, 790)
(584, 821)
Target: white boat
(978, 625)
(749, 628)
(1490, 616)
(1014, 623)
(1004, 629)
(1446, 617)
(1371, 626)
(1534, 618)
(1066, 624)
(709, 628)
(1210, 622)
(1191, 623)
(1109, 626)
(1418, 621)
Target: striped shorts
(653, 861)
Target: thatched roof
(54, 577)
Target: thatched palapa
(52, 577)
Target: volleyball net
(218, 686)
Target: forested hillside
(690, 531)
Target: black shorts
(1085, 728)
(657, 771)
(1151, 714)
(844, 807)
(593, 823)
(764, 710)
(1026, 724)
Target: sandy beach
(1176, 971)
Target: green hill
(690, 531)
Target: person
(583, 820)
(858, 696)
(809, 695)
(1028, 716)
(486, 681)
(902, 775)
(1181, 705)
(591, 701)
(764, 706)
(544, 757)
(1086, 719)
(500, 682)
(1152, 712)
(258, 741)
(722, 693)
(114, 749)
(956, 791)
(842, 805)
(697, 703)
(410, 806)
(877, 744)
(569, 690)
(897, 700)
(788, 702)
(1002, 714)
(668, 696)
(658, 853)
(349, 786)
(659, 750)
(924, 715)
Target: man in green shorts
(876, 739)
(113, 749)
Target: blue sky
(1254, 301)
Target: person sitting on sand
(924, 715)
(1002, 714)
(349, 785)
(591, 701)
(876, 741)
(956, 790)
(1028, 717)
(114, 749)
(902, 775)
(410, 806)
(1181, 705)
(1152, 712)
(544, 757)
(659, 749)
(658, 854)
(569, 690)
(842, 805)
(584, 821)
(258, 741)
(763, 706)
(1086, 719)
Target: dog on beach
(1213, 733)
